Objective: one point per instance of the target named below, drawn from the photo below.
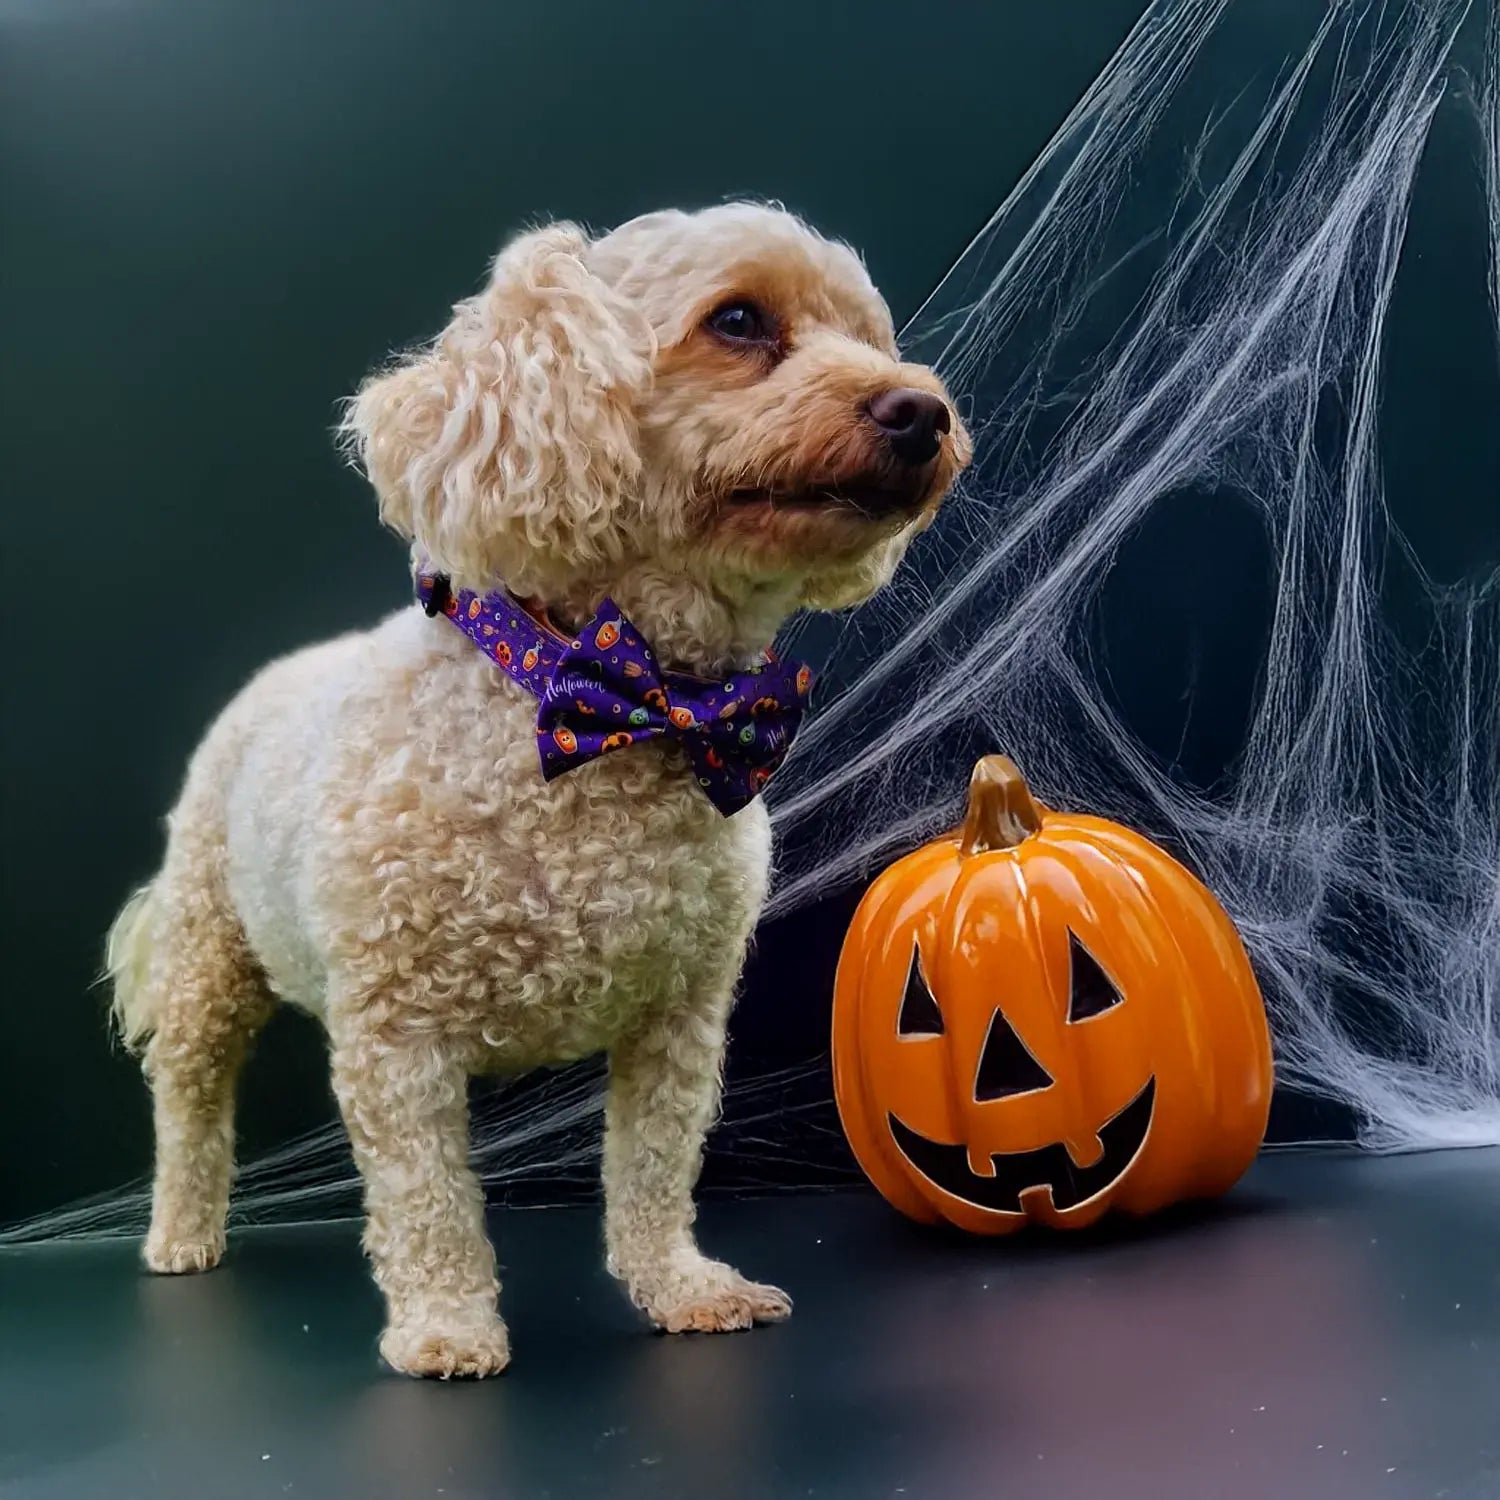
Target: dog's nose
(911, 421)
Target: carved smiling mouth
(1050, 1167)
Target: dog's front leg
(406, 1108)
(663, 1091)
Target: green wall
(215, 218)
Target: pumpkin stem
(1001, 810)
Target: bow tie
(603, 690)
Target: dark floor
(1332, 1332)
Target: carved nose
(912, 422)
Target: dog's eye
(743, 323)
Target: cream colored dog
(701, 415)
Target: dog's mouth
(860, 499)
(1018, 1172)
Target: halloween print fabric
(603, 690)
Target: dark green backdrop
(217, 217)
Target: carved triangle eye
(1091, 990)
(919, 1015)
(1006, 1067)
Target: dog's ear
(507, 450)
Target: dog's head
(719, 391)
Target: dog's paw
(169, 1255)
(725, 1308)
(467, 1354)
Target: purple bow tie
(603, 690)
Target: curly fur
(365, 832)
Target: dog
(702, 417)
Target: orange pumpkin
(1041, 1017)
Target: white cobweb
(1487, 107)
(541, 1132)
(1227, 353)
(1232, 357)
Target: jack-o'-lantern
(681, 717)
(503, 653)
(618, 740)
(1042, 1017)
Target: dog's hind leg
(189, 995)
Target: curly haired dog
(705, 417)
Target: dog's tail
(127, 955)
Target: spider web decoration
(1227, 356)
(1232, 356)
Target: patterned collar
(602, 690)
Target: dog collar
(602, 690)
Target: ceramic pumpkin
(1042, 1017)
